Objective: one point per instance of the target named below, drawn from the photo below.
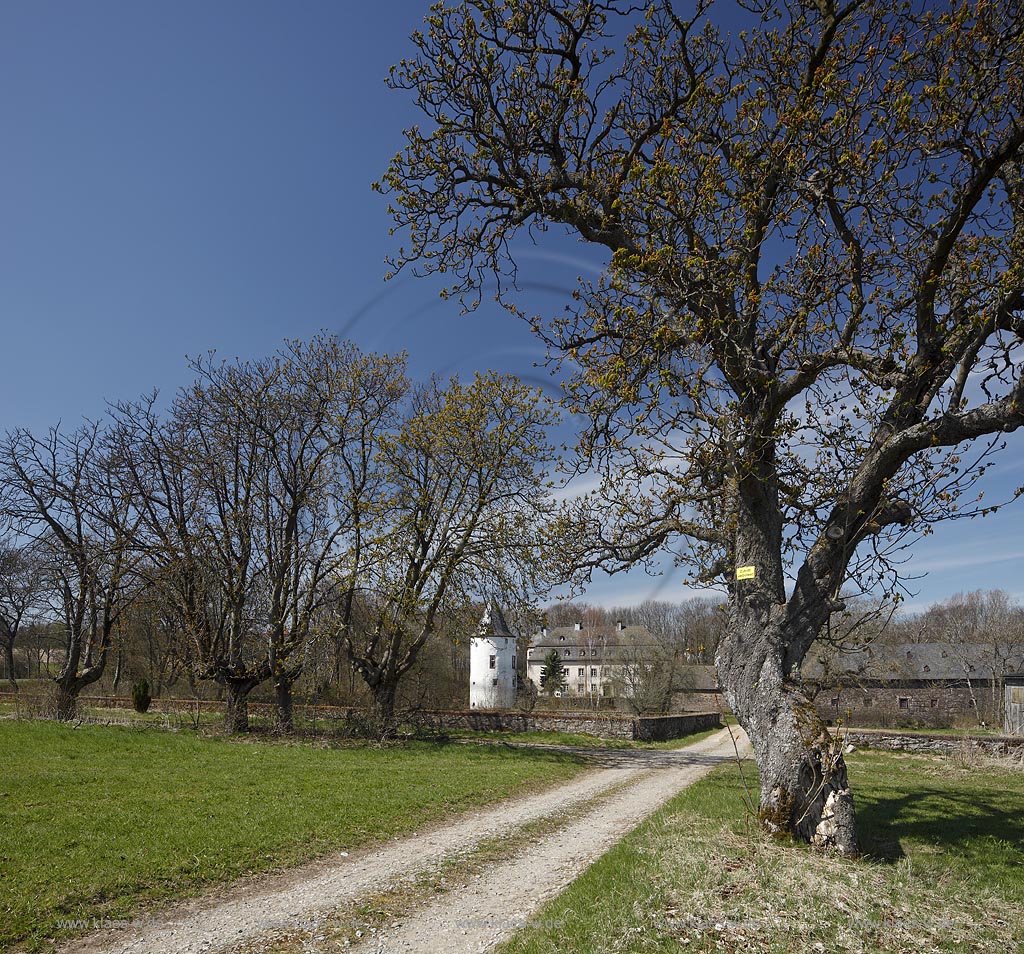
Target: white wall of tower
(492, 672)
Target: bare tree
(22, 583)
(679, 636)
(458, 517)
(59, 492)
(645, 673)
(650, 666)
(843, 656)
(567, 614)
(806, 341)
(245, 487)
(196, 477)
(328, 401)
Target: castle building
(492, 663)
(624, 664)
(597, 662)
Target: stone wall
(710, 700)
(600, 725)
(937, 744)
(940, 706)
(663, 728)
(645, 728)
(477, 720)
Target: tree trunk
(804, 788)
(384, 693)
(69, 685)
(236, 710)
(117, 674)
(9, 662)
(65, 701)
(285, 707)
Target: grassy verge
(99, 820)
(942, 873)
(954, 731)
(575, 739)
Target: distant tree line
(312, 512)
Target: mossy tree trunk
(805, 791)
(385, 693)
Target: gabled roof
(941, 661)
(492, 623)
(596, 637)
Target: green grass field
(99, 820)
(943, 871)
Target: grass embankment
(944, 856)
(98, 820)
(960, 732)
(575, 739)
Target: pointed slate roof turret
(492, 623)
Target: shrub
(141, 697)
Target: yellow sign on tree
(746, 572)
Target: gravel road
(625, 787)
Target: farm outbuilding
(1013, 704)
(936, 684)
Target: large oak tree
(814, 223)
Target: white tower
(492, 663)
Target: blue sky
(192, 176)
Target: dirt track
(626, 787)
